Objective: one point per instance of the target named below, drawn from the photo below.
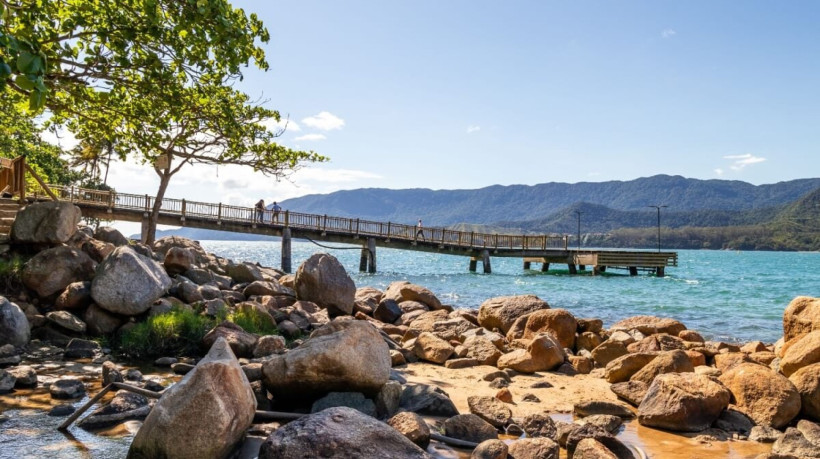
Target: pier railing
(218, 212)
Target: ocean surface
(725, 295)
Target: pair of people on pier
(260, 211)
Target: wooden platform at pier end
(544, 249)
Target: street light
(579, 228)
(659, 225)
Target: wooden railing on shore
(193, 210)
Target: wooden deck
(543, 249)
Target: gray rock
(501, 312)
(388, 399)
(269, 345)
(110, 235)
(795, 443)
(81, 349)
(67, 320)
(579, 433)
(490, 449)
(540, 425)
(469, 427)
(324, 281)
(67, 388)
(110, 373)
(52, 270)
(602, 407)
(387, 311)
(683, 402)
(50, 222)
(605, 421)
(188, 406)
(490, 409)
(100, 322)
(26, 377)
(178, 260)
(355, 400)
(76, 295)
(7, 381)
(534, 448)
(64, 409)
(123, 407)
(128, 283)
(764, 434)
(732, 420)
(165, 361)
(631, 391)
(242, 343)
(345, 355)
(424, 399)
(338, 433)
(14, 327)
(412, 426)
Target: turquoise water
(725, 295)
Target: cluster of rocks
(340, 378)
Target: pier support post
(582, 267)
(286, 249)
(659, 271)
(545, 267)
(596, 270)
(527, 265)
(363, 260)
(633, 270)
(572, 269)
(485, 259)
(473, 263)
(371, 247)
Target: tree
(152, 76)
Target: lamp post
(659, 224)
(579, 228)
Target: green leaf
(5, 70)
(29, 63)
(24, 82)
(36, 100)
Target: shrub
(253, 321)
(11, 270)
(178, 332)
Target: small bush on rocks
(253, 321)
(178, 332)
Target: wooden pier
(479, 247)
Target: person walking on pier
(420, 230)
(276, 209)
(260, 210)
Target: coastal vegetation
(153, 77)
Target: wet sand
(557, 401)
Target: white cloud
(63, 138)
(471, 129)
(741, 161)
(668, 33)
(719, 171)
(283, 124)
(310, 137)
(324, 121)
(593, 174)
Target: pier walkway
(480, 247)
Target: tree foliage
(153, 77)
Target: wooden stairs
(8, 212)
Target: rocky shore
(370, 373)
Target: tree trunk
(164, 179)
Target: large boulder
(424, 399)
(163, 245)
(534, 448)
(794, 443)
(500, 312)
(665, 362)
(76, 295)
(432, 348)
(469, 427)
(324, 281)
(807, 382)
(110, 235)
(204, 415)
(412, 426)
(241, 342)
(405, 291)
(803, 352)
(52, 222)
(342, 356)
(490, 409)
(14, 327)
(765, 396)
(684, 402)
(339, 432)
(178, 260)
(367, 299)
(649, 325)
(482, 349)
(101, 322)
(543, 353)
(801, 316)
(559, 322)
(52, 270)
(622, 368)
(128, 283)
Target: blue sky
(467, 94)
